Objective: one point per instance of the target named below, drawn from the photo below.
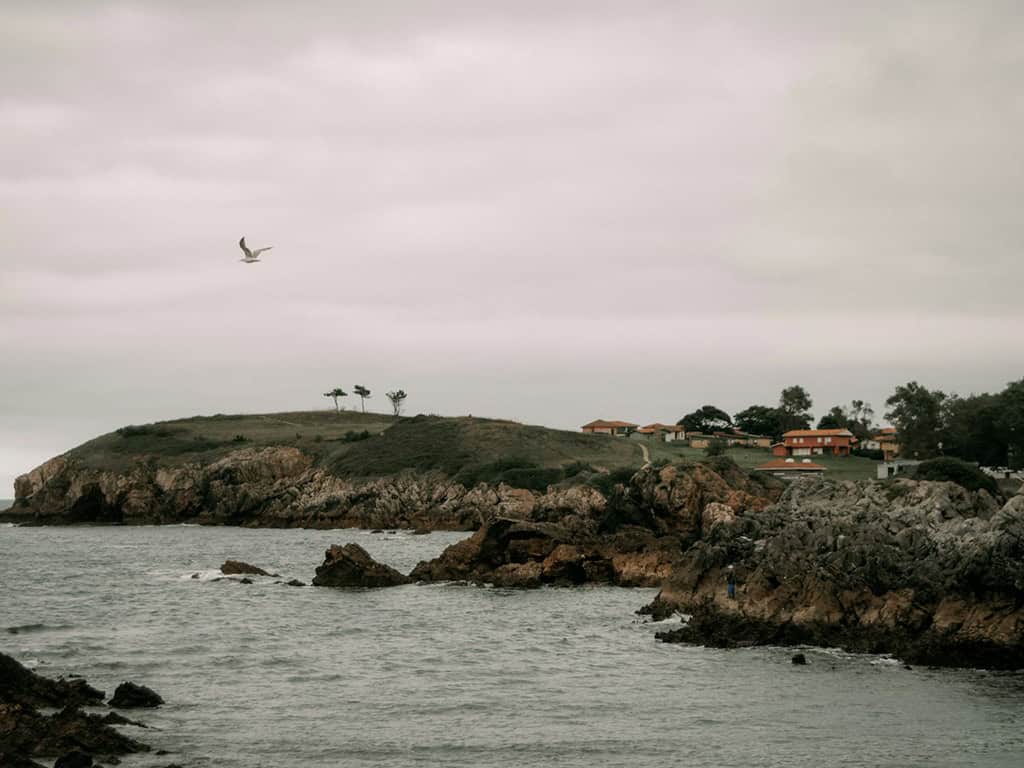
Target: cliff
(925, 570)
(319, 469)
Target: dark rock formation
(27, 733)
(799, 659)
(19, 685)
(632, 540)
(295, 583)
(232, 567)
(129, 695)
(74, 759)
(352, 566)
(928, 571)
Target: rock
(195, 576)
(128, 695)
(376, 530)
(295, 583)
(24, 731)
(421, 531)
(246, 580)
(799, 658)
(74, 759)
(927, 571)
(351, 566)
(233, 567)
(12, 760)
(113, 718)
(19, 685)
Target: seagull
(251, 255)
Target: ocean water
(453, 675)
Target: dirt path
(646, 453)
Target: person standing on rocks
(730, 583)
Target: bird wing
(258, 251)
(242, 245)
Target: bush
(864, 453)
(606, 483)
(239, 439)
(355, 437)
(715, 448)
(133, 430)
(956, 471)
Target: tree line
(985, 428)
(396, 398)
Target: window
(819, 439)
(828, 439)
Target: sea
(266, 674)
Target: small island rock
(235, 567)
(129, 695)
(352, 566)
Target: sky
(545, 211)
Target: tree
(397, 398)
(759, 420)
(1010, 422)
(364, 395)
(917, 414)
(971, 430)
(335, 394)
(859, 416)
(705, 420)
(794, 405)
(836, 418)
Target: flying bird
(251, 255)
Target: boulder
(74, 759)
(236, 567)
(351, 566)
(128, 695)
(799, 659)
(19, 685)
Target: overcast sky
(548, 211)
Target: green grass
(478, 449)
(836, 467)
(468, 449)
(208, 438)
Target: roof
(818, 433)
(659, 425)
(796, 466)
(737, 433)
(603, 423)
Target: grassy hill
(354, 444)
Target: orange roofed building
(815, 442)
(602, 427)
(666, 432)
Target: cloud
(517, 208)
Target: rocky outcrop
(130, 695)
(235, 567)
(632, 539)
(269, 487)
(351, 566)
(928, 571)
(25, 733)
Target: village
(801, 453)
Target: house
(744, 439)
(791, 469)
(886, 442)
(817, 442)
(698, 440)
(667, 432)
(602, 427)
(779, 449)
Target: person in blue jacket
(730, 583)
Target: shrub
(715, 448)
(874, 454)
(133, 430)
(355, 437)
(956, 471)
(606, 483)
(239, 439)
(576, 468)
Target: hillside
(352, 444)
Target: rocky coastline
(928, 571)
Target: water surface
(453, 675)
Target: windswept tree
(334, 394)
(397, 398)
(860, 416)
(706, 419)
(364, 395)
(794, 407)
